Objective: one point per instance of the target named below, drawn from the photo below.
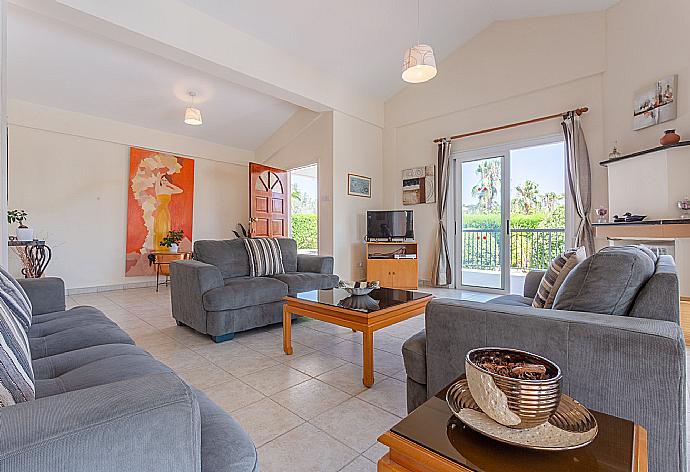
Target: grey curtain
(579, 178)
(443, 270)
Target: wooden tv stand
(389, 271)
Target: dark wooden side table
(35, 256)
(161, 260)
(432, 439)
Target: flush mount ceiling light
(419, 64)
(192, 116)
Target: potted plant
(172, 240)
(24, 233)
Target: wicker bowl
(513, 402)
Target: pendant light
(419, 64)
(192, 116)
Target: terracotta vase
(669, 137)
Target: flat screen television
(396, 224)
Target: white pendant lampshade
(419, 64)
(192, 115)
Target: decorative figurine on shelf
(601, 215)
(615, 153)
(670, 137)
(172, 240)
(24, 233)
(684, 205)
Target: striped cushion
(555, 275)
(265, 257)
(16, 374)
(15, 298)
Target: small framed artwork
(656, 103)
(358, 185)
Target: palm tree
(486, 189)
(550, 200)
(527, 198)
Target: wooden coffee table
(432, 439)
(382, 307)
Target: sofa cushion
(15, 298)
(100, 372)
(77, 337)
(224, 444)
(288, 247)
(16, 375)
(558, 270)
(414, 356)
(607, 282)
(265, 256)
(74, 318)
(299, 282)
(241, 292)
(84, 313)
(230, 256)
(512, 300)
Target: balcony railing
(529, 248)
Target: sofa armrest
(633, 368)
(148, 423)
(532, 281)
(47, 294)
(189, 280)
(317, 264)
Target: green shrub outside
(305, 230)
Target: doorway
(304, 208)
(511, 211)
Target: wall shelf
(642, 153)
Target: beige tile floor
(313, 399)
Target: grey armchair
(629, 366)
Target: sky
(543, 164)
(305, 179)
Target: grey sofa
(103, 404)
(629, 366)
(214, 294)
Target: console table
(161, 260)
(35, 256)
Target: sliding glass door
(510, 213)
(483, 223)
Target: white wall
(74, 187)
(357, 149)
(511, 72)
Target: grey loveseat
(214, 294)
(103, 404)
(630, 366)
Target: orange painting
(160, 199)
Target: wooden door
(268, 202)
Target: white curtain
(443, 270)
(579, 178)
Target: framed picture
(358, 185)
(656, 103)
(419, 185)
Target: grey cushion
(47, 294)
(51, 367)
(288, 247)
(658, 299)
(299, 282)
(242, 292)
(74, 318)
(311, 263)
(414, 356)
(225, 446)
(606, 282)
(512, 300)
(100, 372)
(78, 337)
(230, 256)
(83, 313)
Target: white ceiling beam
(181, 33)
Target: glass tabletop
(378, 299)
(434, 427)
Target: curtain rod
(579, 112)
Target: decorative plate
(571, 427)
